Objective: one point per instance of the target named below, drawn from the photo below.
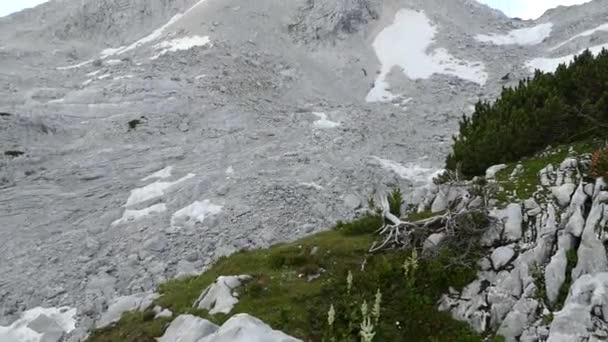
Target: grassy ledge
(525, 184)
(282, 296)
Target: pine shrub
(548, 109)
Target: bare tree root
(463, 229)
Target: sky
(525, 9)
(528, 9)
(9, 6)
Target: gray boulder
(563, 193)
(502, 256)
(188, 328)
(219, 296)
(245, 328)
(493, 170)
(587, 302)
(120, 305)
(50, 330)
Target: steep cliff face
(138, 134)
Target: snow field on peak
(404, 44)
(551, 64)
(524, 36)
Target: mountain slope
(258, 109)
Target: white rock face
(245, 328)
(239, 328)
(493, 170)
(40, 325)
(505, 298)
(586, 303)
(512, 218)
(433, 241)
(218, 297)
(563, 193)
(501, 257)
(188, 328)
(121, 305)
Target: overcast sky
(526, 9)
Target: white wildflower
(331, 315)
(364, 309)
(349, 282)
(367, 330)
(376, 308)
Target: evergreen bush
(548, 109)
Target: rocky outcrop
(345, 16)
(239, 328)
(120, 305)
(220, 297)
(530, 259)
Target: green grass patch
(281, 295)
(133, 327)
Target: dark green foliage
(395, 200)
(14, 154)
(362, 226)
(549, 109)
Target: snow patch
(153, 190)
(117, 78)
(164, 173)
(104, 76)
(179, 44)
(196, 212)
(113, 61)
(313, 185)
(525, 36)
(91, 74)
(134, 215)
(75, 66)
(156, 34)
(56, 101)
(145, 40)
(324, 122)
(603, 27)
(412, 172)
(19, 330)
(230, 171)
(404, 45)
(87, 82)
(551, 64)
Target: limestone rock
(188, 328)
(575, 321)
(218, 297)
(493, 170)
(121, 305)
(563, 193)
(50, 330)
(186, 269)
(519, 318)
(502, 256)
(246, 328)
(592, 256)
(433, 241)
(512, 218)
